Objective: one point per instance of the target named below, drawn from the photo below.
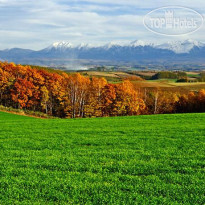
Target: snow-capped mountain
(136, 51)
(139, 43)
(110, 45)
(181, 46)
(61, 45)
(66, 45)
(84, 46)
(176, 46)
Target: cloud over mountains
(35, 24)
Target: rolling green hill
(156, 159)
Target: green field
(156, 159)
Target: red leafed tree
(23, 93)
(4, 82)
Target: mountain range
(61, 53)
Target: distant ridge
(135, 52)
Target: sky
(36, 24)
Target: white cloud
(37, 23)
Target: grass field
(156, 159)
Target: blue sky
(35, 24)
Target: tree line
(169, 75)
(66, 95)
(73, 95)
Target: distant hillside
(66, 54)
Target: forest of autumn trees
(66, 95)
(73, 95)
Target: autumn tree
(95, 99)
(73, 95)
(23, 93)
(4, 83)
(127, 100)
(76, 89)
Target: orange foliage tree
(73, 95)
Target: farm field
(171, 85)
(117, 77)
(158, 159)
